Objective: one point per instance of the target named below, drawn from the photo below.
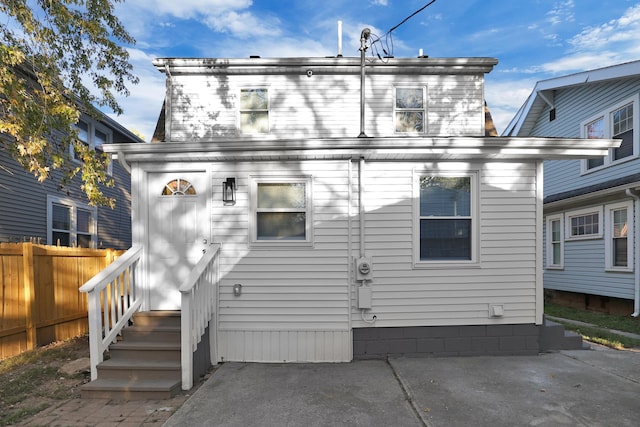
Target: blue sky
(532, 39)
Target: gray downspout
(636, 238)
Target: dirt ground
(37, 380)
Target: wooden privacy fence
(39, 298)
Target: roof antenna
(364, 36)
(339, 39)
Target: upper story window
(70, 223)
(410, 109)
(617, 122)
(93, 137)
(281, 210)
(447, 218)
(254, 110)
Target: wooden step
(144, 363)
(165, 334)
(138, 370)
(150, 389)
(145, 351)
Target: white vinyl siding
(295, 300)
(407, 296)
(205, 107)
(297, 295)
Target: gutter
(636, 238)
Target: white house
(591, 206)
(343, 232)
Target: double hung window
(410, 110)
(617, 122)
(71, 223)
(447, 218)
(281, 210)
(555, 241)
(619, 236)
(92, 136)
(254, 111)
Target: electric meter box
(363, 268)
(364, 297)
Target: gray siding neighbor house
(48, 214)
(351, 220)
(591, 206)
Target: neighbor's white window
(71, 223)
(555, 241)
(410, 109)
(281, 210)
(584, 223)
(93, 136)
(447, 219)
(619, 236)
(254, 110)
(617, 122)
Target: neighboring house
(591, 207)
(421, 237)
(46, 213)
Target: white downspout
(636, 232)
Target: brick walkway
(79, 412)
(107, 413)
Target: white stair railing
(113, 299)
(199, 295)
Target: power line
(388, 36)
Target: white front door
(179, 231)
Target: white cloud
(562, 12)
(613, 42)
(380, 2)
(505, 97)
(243, 25)
(185, 9)
(625, 29)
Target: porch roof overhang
(381, 149)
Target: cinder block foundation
(439, 341)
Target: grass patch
(601, 321)
(609, 321)
(33, 381)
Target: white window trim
(253, 205)
(549, 242)
(608, 131)
(74, 206)
(239, 110)
(608, 243)
(424, 109)
(583, 212)
(92, 127)
(474, 262)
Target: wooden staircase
(144, 363)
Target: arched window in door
(179, 187)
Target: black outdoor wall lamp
(229, 191)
